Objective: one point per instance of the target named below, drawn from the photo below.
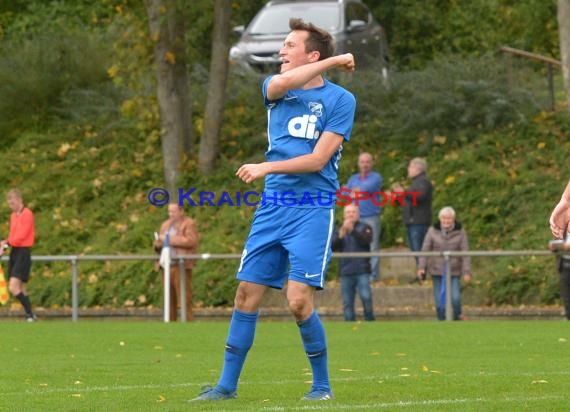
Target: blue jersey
(372, 184)
(294, 124)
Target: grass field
(150, 366)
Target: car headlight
(236, 53)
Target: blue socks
(240, 339)
(314, 341)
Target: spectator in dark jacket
(446, 235)
(354, 236)
(417, 205)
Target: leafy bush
(454, 97)
(41, 76)
(419, 32)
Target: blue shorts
(288, 243)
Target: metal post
(74, 291)
(551, 87)
(167, 291)
(182, 272)
(448, 307)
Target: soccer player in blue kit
(309, 118)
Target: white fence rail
(74, 261)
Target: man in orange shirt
(21, 240)
(183, 236)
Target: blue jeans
(349, 284)
(374, 223)
(455, 297)
(416, 234)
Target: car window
(275, 19)
(355, 11)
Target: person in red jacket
(21, 240)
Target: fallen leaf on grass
(539, 381)
(405, 375)
(43, 385)
(425, 368)
(77, 383)
(562, 340)
(403, 369)
(75, 395)
(347, 370)
(161, 398)
(158, 348)
(265, 400)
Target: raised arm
(299, 76)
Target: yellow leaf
(170, 57)
(425, 368)
(113, 70)
(449, 179)
(63, 149)
(439, 139)
(541, 145)
(161, 398)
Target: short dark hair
(319, 40)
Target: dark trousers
(349, 284)
(175, 292)
(416, 234)
(565, 285)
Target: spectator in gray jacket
(446, 235)
(417, 206)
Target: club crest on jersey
(316, 108)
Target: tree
(166, 23)
(564, 33)
(214, 112)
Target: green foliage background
(80, 136)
